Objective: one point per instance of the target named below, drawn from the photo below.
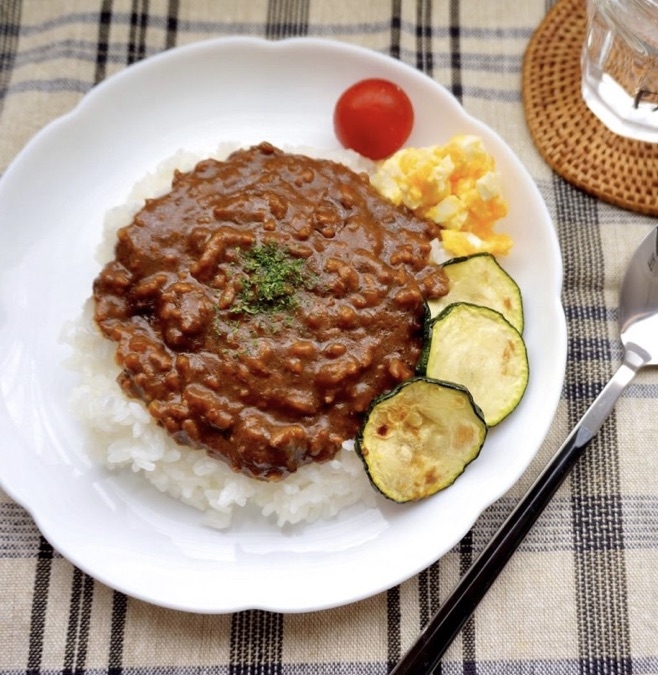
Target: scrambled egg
(456, 186)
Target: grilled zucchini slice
(419, 437)
(478, 348)
(480, 280)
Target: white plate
(52, 202)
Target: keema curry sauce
(261, 304)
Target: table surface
(581, 594)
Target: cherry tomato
(374, 117)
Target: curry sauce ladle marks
(638, 327)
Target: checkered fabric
(581, 594)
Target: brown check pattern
(579, 597)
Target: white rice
(123, 435)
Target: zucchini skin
(443, 368)
(462, 258)
(419, 486)
(503, 291)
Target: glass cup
(620, 66)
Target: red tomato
(374, 117)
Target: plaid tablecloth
(580, 596)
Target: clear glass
(620, 66)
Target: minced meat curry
(261, 304)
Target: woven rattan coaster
(571, 139)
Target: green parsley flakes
(270, 277)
